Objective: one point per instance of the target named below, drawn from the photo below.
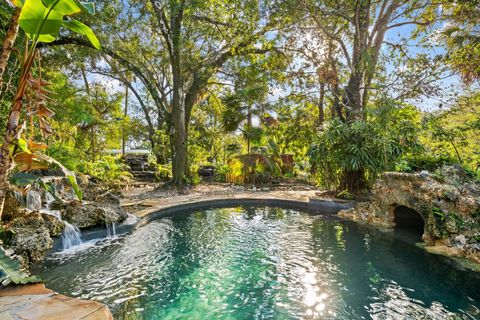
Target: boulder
(460, 241)
(32, 243)
(92, 214)
(54, 226)
(448, 202)
(108, 198)
(31, 235)
(11, 208)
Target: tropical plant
(41, 21)
(462, 37)
(108, 168)
(360, 147)
(10, 271)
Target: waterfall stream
(131, 219)
(39, 199)
(71, 236)
(111, 230)
(32, 200)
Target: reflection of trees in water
(128, 310)
(245, 261)
(222, 278)
(377, 268)
(418, 275)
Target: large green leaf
(10, 269)
(41, 20)
(80, 28)
(38, 22)
(22, 179)
(69, 7)
(65, 7)
(76, 188)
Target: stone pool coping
(151, 209)
(35, 302)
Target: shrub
(351, 155)
(163, 171)
(420, 162)
(221, 173)
(107, 168)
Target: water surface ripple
(264, 263)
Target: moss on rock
(449, 206)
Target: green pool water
(264, 263)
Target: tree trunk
(321, 111)
(178, 106)
(353, 98)
(92, 131)
(12, 129)
(337, 107)
(249, 127)
(353, 181)
(125, 116)
(180, 146)
(8, 43)
(180, 131)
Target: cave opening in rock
(409, 221)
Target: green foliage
(345, 194)
(221, 173)
(107, 168)
(11, 270)
(86, 126)
(41, 20)
(193, 178)
(462, 38)
(453, 133)
(76, 189)
(233, 114)
(438, 213)
(356, 147)
(163, 172)
(234, 173)
(418, 162)
(253, 134)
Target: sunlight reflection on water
(263, 263)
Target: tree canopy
(333, 92)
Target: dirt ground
(156, 191)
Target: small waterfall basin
(264, 263)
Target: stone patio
(35, 302)
(148, 206)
